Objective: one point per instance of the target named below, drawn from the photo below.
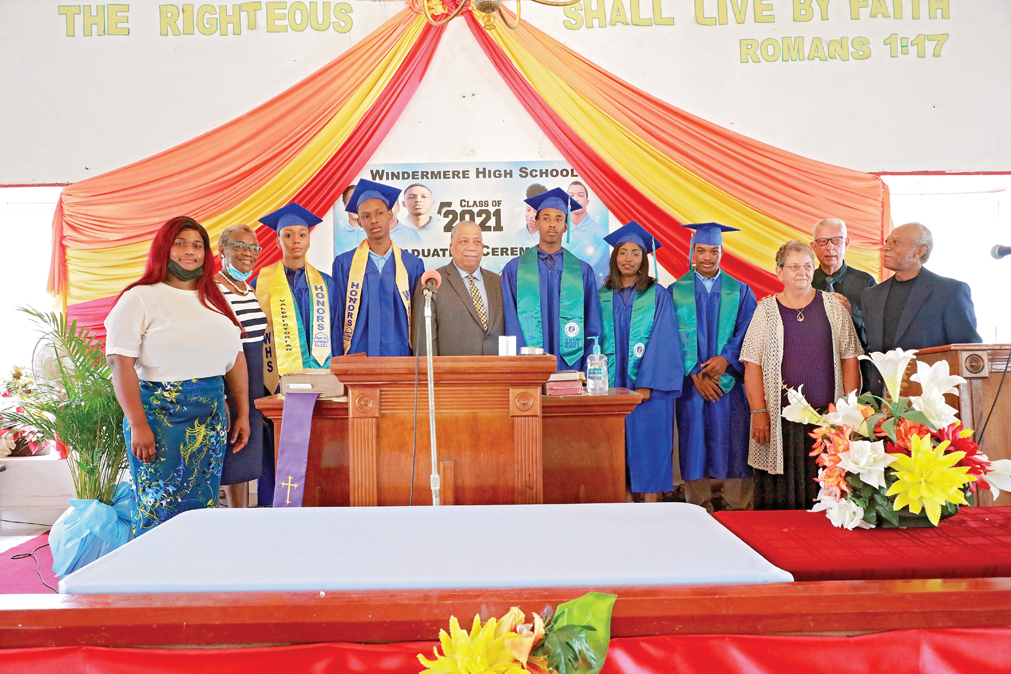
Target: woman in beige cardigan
(799, 337)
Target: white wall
(26, 214)
(85, 105)
(966, 215)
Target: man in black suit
(833, 275)
(467, 317)
(916, 308)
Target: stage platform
(403, 548)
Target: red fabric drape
(942, 651)
(623, 200)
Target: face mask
(236, 274)
(176, 270)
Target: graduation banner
(437, 196)
(642, 157)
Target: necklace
(800, 311)
(241, 293)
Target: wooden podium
(500, 441)
(983, 367)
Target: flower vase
(908, 520)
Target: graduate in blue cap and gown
(301, 339)
(640, 338)
(549, 295)
(302, 321)
(713, 311)
(375, 281)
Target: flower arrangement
(572, 640)
(888, 461)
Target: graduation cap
(557, 199)
(290, 215)
(367, 189)
(708, 234)
(633, 232)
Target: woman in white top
(173, 343)
(239, 251)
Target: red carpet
(18, 576)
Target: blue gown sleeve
(746, 309)
(960, 318)
(512, 320)
(339, 278)
(414, 271)
(591, 308)
(662, 366)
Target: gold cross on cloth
(289, 484)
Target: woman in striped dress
(239, 251)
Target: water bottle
(596, 371)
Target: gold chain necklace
(800, 312)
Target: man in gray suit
(467, 315)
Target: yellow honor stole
(356, 284)
(284, 349)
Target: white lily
(844, 514)
(936, 376)
(7, 443)
(868, 460)
(892, 366)
(847, 413)
(932, 404)
(799, 410)
(999, 476)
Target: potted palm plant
(75, 407)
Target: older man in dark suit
(916, 308)
(467, 315)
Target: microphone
(1000, 251)
(433, 279)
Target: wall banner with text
(436, 197)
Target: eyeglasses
(835, 241)
(251, 247)
(794, 268)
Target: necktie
(830, 284)
(478, 302)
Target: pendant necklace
(800, 315)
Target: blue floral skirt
(190, 436)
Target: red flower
(904, 432)
(975, 460)
(58, 445)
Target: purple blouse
(807, 352)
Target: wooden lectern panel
(487, 418)
(500, 441)
(984, 367)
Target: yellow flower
(480, 652)
(928, 478)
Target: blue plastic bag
(90, 529)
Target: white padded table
(396, 548)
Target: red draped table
(975, 543)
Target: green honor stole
(570, 309)
(643, 315)
(683, 292)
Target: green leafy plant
(76, 407)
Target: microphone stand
(435, 481)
